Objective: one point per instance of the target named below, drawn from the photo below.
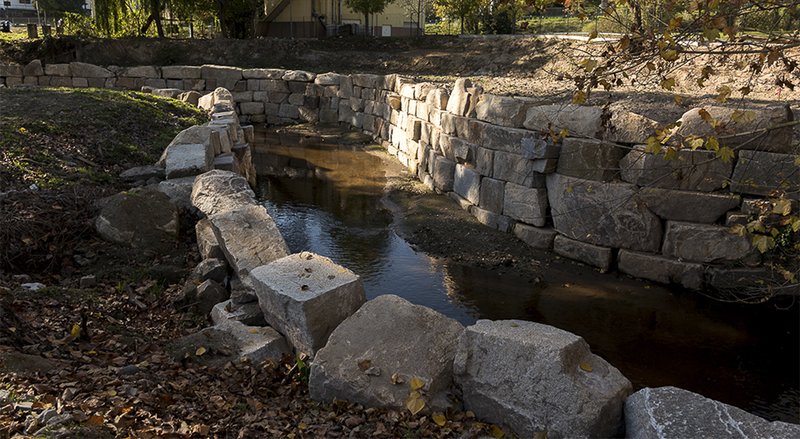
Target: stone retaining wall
(574, 179)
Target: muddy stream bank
(332, 195)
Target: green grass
(54, 136)
(16, 34)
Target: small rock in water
(34, 286)
(88, 281)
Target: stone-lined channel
(329, 199)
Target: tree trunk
(637, 18)
(366, 24)
(156, 5)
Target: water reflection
(327, 199)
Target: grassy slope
(71, 144)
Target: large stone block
(306, 296)
(263, 73)
(590, 254)
(501, 110)
(459, 100)
(514, 168)
(467, 183)
(232, 340)
(207, 242)
(84, 70)
(188, 159)
(766, 173)
(248, 237)
(525, 204)
(217, 191)
(661, 269)
(437, 98)
(590, 159)
(142, 219)
(535, 148)
(705, 243)
(492, 195)
(689, 206)
(225, 77)
(53, 70)
(299, 76)
(536, 237)
(740, 128)
(502, 138)
(140, 72)
(627, 127)
(670, 412)
(387, 340)
(579, 121)
(538, 380)
(691, 170)
(33, 68)
(491, 219)
(181, 72)
(605, 214)
(444, 173)
(179, 190)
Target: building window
(24, 2)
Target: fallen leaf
(439, 419)
(200, 351)
(416, 383)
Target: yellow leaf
(782, 207)
(763, 243)
(23, 130)
(668, 83)
(416, 383)
(302, 426)
(726, 154)
(439, 419)
(586, 367)
(743, 116)
(712, 144)
(723, 93)
(200, 351)
(579, 97)
(671, 154)
(588, 64)
(497, 432)
(415, 403)
(653, 145)
(695, 143)
(796, 225)
(75, 332)
(738, 229)
(669, 54)
(706, 116)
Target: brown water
(328, 200)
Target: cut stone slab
(590, 254)
(467, 183)
(247, 313)
(211, 269)
(179, 190)
(491, 219)
(627, 127)
(514, 168)
(142, 173)
(188, 159)
(535, 148)
(459, 101)
(538, 379)
(299, 75)
(705, 243)
(691, 170)
(197, 134)
(218, 191)
(444, 173)
(209, 293)
(83, 70)
(143, 219)
(590, 159)
(306, 296)
(248, 237)
(579, 121)
(605, 214)
(387, 339)
(670, 412)
(661, 269)
(492, 194)
(766, 173)
(733, 123)
(536, 237)
(231, 341)
(525, 204)
(689, 206)
(501, 110)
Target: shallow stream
(330, 200)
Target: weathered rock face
(626, 127)
(536, 237)
(577, 120)
(248, 237)
(247, 313)
(179, 190)
(670, 412)
(217, 191)
(705, 243)
(691, 170)
(590, 159)
(84, 70)
(142, 173)
(732, 124)
(467, 183)
(591, 254)
(206, 240)
(766, 173)
(605, 214)
(459, 100)
(209, 293)
(387, 339)
(516, 169)
(536, 378)
(443, 173)
(306, 296)
(501, 110)
(144, 219)
(688, 206)
(230, 341)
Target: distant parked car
(5, 26)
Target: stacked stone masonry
(610, 203)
